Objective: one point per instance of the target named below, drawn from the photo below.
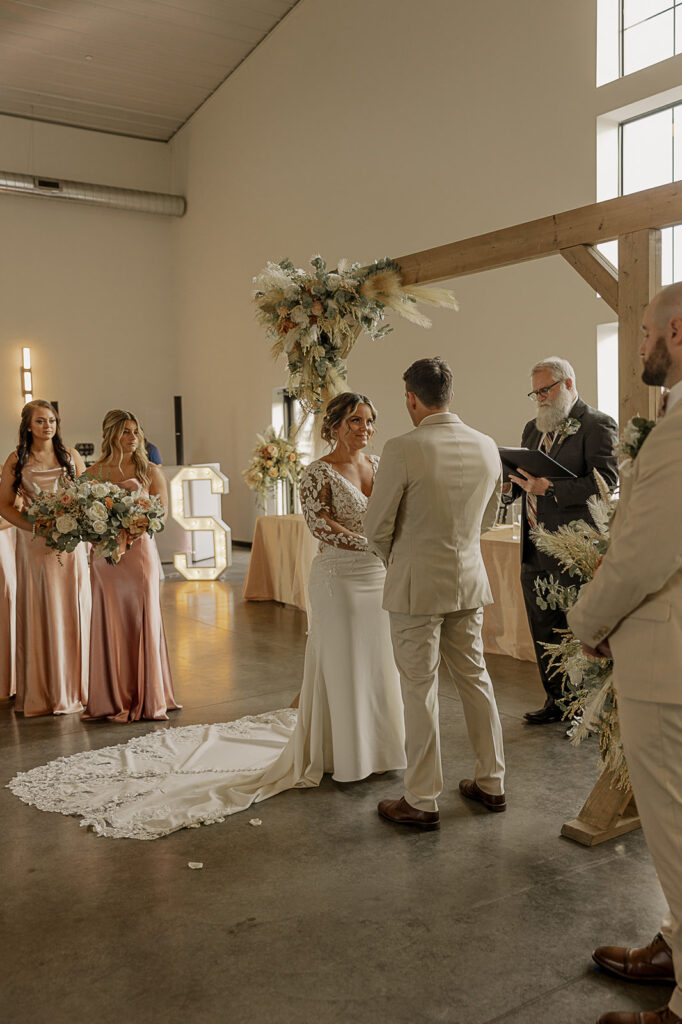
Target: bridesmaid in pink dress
(52, 600)
(130, 674)
(8, 610)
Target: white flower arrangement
(568, 428)
(96, 512)
(634, 435)
(314, 318)
(275, 458)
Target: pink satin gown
(8, 613)
(130, 675)
(53, 617)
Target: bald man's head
(667, 305)
(661, 349)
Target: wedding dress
(349, 721)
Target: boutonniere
(635, 434)
(568, 428)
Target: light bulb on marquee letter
(222, 535)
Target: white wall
(88, 289)
(360, 128)
(370, 129)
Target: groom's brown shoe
(663, 1016)
(402, 813)
(472, 791)
(646, 963)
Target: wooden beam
(639, 265)
(594, 268)
(608, 812)
(601, 222)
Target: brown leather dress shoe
(402, 813)
(646, 963)
(472, 791)
(663, 1016)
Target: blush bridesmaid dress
(52, 616)
(130, 675)
(8, 612)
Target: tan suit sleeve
(491, 509)
(647, 550)
(382, 509)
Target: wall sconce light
(222, 535)
(26, 375)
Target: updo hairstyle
(339, 408)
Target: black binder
(535, 462)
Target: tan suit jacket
(437, 488)
(635, 598)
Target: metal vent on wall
(133, 200)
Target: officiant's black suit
(592, 447)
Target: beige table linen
(505, 626)
(281, 556)
(283, 550)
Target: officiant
(581, 439)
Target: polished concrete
(325, 914)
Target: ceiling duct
(129, 199)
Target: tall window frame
(670, 10)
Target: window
(650, 155)
(633, 34)
(288, 418)
(651, 30)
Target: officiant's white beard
(550, 417)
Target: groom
(436, 489)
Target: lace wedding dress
(349, 722)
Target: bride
(350, 716)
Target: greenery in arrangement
(314, 317)
(589, 701)
(275, 458)
(95, 512)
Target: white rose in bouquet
(97, 511)
(155, 525)
(99, 527)
(99, 490)
(65, 524)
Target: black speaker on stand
(179, 438)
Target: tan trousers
(652, 739)
(418, 643)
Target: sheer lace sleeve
(317, 502)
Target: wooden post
(639, 278)
(608, 812)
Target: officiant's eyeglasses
(542, 392)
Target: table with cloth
(283, 549)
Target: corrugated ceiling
(132, 67)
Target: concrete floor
(325, 914)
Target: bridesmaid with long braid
(52, 600)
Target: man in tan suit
(436, 489)
(632, 610)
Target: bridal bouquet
(274, 458)
(114, 517)
(314, 318)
